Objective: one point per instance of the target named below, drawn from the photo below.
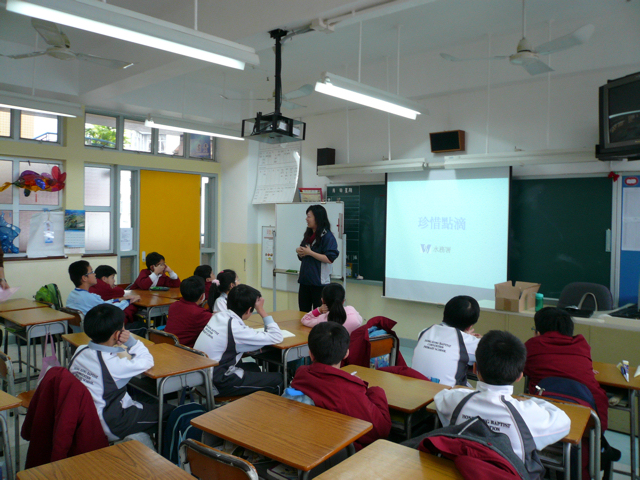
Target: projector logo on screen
(426, 248)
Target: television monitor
(620, 115)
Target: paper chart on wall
(278, 167)
(631, 219)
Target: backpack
(179, 427)
(49, 294)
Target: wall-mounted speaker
(452, 141)
(326, 156)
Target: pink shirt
(353, 321)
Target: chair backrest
(384, 345)
(593, 296)
(160, 336)
(6, 373)
(78, 317)
(207, 463)
(192, 350)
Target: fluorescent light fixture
(187, 126)
(385, 166)
(123, 24)
(509, 159)
(39, 105)
(357, 92)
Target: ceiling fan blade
(451, 58)
(578, 37)
(303, 91)
(536, 67)
(290, 105)
(50, 33)
(26, 55)
(105, 62)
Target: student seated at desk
(187, 318)
(106, 365)
(220, 288)
(444, 351)
(226, 337)
(206, 273)
(530, 424)
(108, 290)
(333, 310)
(339, 391)
(83, 277)
(154, 274)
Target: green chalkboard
(364, 224)
(557, 232)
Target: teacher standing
(317, 251)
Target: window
(170, 143)
(18, 208)
(5, 122)
(128, 187)
(100, 131)
(202, 146)
(208, 209)
(137, 137)
(98, 204)
(39, 126)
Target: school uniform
(353, 321)
(315, 275)
(530, 424)
(555, 355)
(84, 301)
(186, 321)
(148, 279)
(443, 354)
(224, 339)
(106, 292)
(341, 392)
(220, 304)
(105, 371)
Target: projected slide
(447, 234)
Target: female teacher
(317, 251)
(3, 281)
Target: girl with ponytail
(220, 287)
(333, 310)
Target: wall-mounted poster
(74, 227)
(200, 146)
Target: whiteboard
(290, 227)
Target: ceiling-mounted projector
(274, 127)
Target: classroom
(197, 206)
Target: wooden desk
(296, 434)
(124, 460)
(8, 402)
(171, 293)
(609, 376)
(37, 322)
(20, 304)
(404, 394)
(154, 305)
(172, 362)
(386, 460)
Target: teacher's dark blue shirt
(315, 272)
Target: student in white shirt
(530, 424)
(444, 351)
(219, 290)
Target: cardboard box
(516, 298)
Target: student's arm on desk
(548, 424)
(247, 339)
(124, 368)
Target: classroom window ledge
(25, 258)
(89, 255)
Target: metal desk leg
(633, 433)
(16, 415)
(285, 353)
(7, 448)
(595, 447)
(407, 425)
(579, 463)
(160, 408)
(351, 449)
(566, 451)
(303, 475)
(28, 331)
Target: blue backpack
(179, 427)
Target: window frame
(15, 207)
(15, 127)
(111, 208)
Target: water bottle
(539, 301)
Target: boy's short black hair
(328, 342)
(77, 270)
(461, 312)
(153, 259)
(102, 321)
(500, 358)
(203, 271)
(552, 319)
(192, 288)
(242, 298)
(105, 271)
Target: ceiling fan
(60, 47)
(528, 57)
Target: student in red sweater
(187, 318)
(107, 289)
(154, 274)
(338, 391)
(206, 273)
